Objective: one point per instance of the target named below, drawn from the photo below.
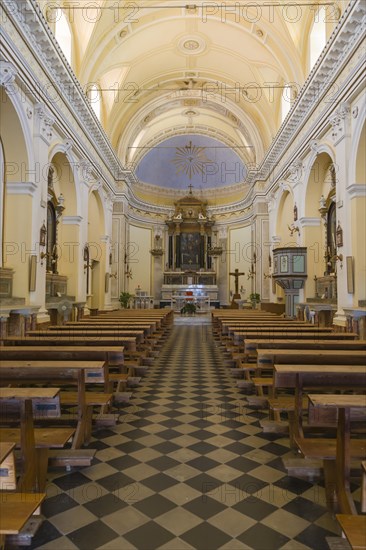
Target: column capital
(340, 122)
(7, 74)
(44, 123)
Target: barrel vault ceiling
(166, 69)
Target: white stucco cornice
(72, 220)
(356, 190)
(21, 188)
(309, 222)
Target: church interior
(188, 264)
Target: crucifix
(190, 188)
(236, 296)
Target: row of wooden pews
(313, 382)
(80, 367)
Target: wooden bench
(320, 377)
(15, 511)
(267, 357)
(126, 337)
(60, 372)
(112, 355)
(33, 442)
(338, 453)
(7, 466)
(127, 342)
(354, 529)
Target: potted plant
(189, 307)
(255, 299)
(124, 299)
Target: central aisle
(186, 467)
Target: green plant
(125, 298)
(255, 297)
(189, 307)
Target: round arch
(318, 178)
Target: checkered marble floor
(187, 466)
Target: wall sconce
(269, 276)
(293, 229)
(251, 273)
(128, 273)
(112, 275)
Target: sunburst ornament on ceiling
(190, 160)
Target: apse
(196, 160)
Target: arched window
(95, 99)
(331, 238)
(318, 37)
(63, 34)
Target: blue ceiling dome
(187, 159)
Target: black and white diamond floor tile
(186, 467)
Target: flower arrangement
(189, 307)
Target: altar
(189, 270)
(204, 296)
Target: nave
(186, 466)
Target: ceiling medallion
(192, 45)
(190, 113)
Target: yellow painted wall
(140, 258)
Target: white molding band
(356, 190)
(72, 220)
(310, 222)
(21, 188)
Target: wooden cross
(236, 274)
